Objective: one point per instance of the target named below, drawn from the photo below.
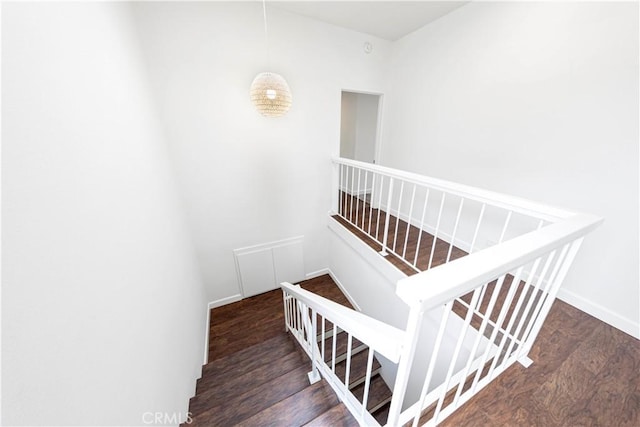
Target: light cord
(266, 31)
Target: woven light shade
(270, 94)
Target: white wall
(366, 127)
(348, 123)
(371, 285)
(247, 179)
(103, 309)
(538, 100)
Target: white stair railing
(316, 324)
(415, 217)
(501, 261)
(503, 295)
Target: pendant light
(270, 92)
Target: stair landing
(257, 374)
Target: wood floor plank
(382, 414)
(357, 368)
(297, 409)
(219, 389)
(582, 375)
(241, 378)
(244, 360)
(342, 343)
(597, 365)
(238, 408)
(338, 416)
(379, 393)
(614, 390)
(233, 342)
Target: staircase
(266, 384)
(379, 393)
(483, 269)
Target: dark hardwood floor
(277, 394)
(257, 374)
(259, 318)
(373, 221)
(585, 372)
(245, 323)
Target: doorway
(359, 126)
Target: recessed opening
(359, 125)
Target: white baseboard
(224, 301)
(317, 273)
(344, 290)
(206, 337)
(602, 313)
(328, 271)
(356, 192)
(210, 305)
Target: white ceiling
(389, 20)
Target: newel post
(410, 342)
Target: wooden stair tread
(297, 409)
(382, 414)
(237, 408)
(257, 375)
(342, 341)
(379, 393)
(255, 358)
(338, 416)
(358, 368)
(227, 343)
(216, 392)
(277, 346)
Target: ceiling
(389, 20)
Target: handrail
(439, 285)
(492, 296)
(384, 338)
(307, 315)
(516, 204)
